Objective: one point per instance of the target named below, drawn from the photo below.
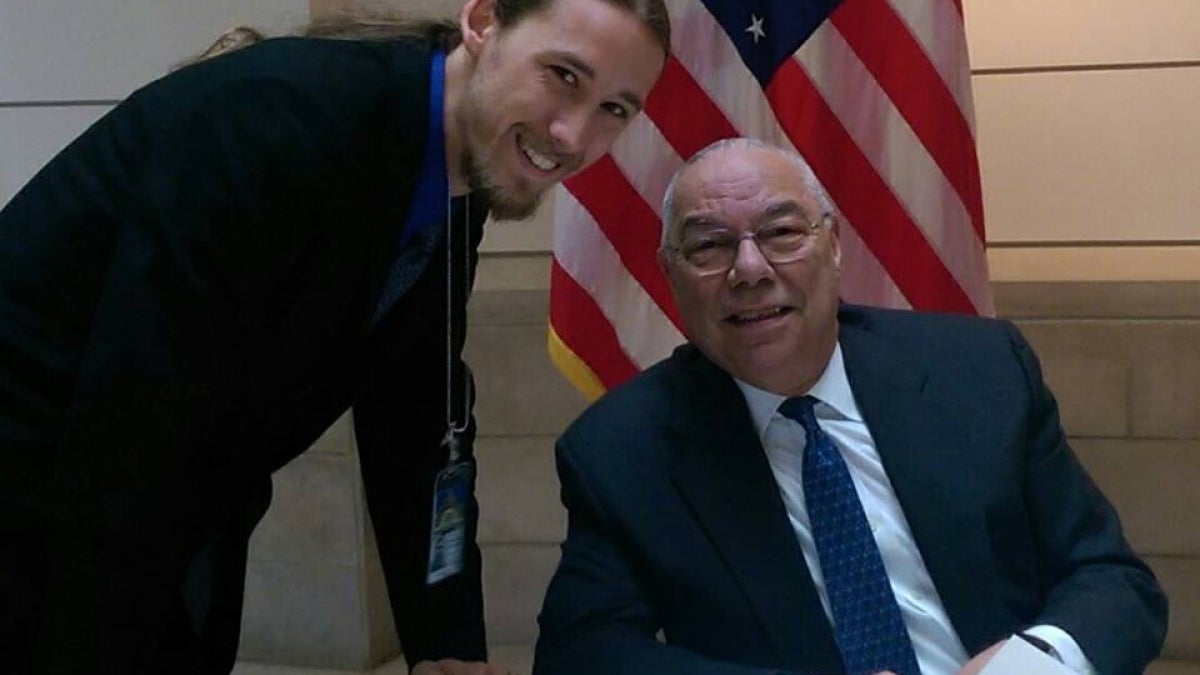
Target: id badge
(448, 531)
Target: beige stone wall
(315, 594)
(1088, 146)
(523, 406)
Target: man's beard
(503, 204)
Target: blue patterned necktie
(866, 619)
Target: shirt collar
(832, 388)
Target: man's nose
(569, 131)
(749, 265)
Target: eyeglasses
(713, 250)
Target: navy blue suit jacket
(676, 523)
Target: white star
(756, 28)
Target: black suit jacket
(186, 303)
(676, 523)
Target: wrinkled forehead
(738, 186)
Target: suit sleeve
(597, 618)
(215, 217)
(400, 421)
(1096, 588)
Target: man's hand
(975, 665)
(456, 667)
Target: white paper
(1018, 657)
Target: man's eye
(705, 245)
(565, 75)
(616, 110)
(782, 233)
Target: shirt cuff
(1072, 656)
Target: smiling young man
(810, 487)
(201, 283)
(531, 103)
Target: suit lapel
(920, 436)
(408, 107)
(722, 473)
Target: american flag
(875, 94)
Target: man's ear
(836, 245)
(664, 261)
(476, 21)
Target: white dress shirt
(938, 648)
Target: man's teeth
(538, 159)
(755, 316)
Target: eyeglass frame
(827, 219)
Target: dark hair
(382, 25)
(653, 14)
